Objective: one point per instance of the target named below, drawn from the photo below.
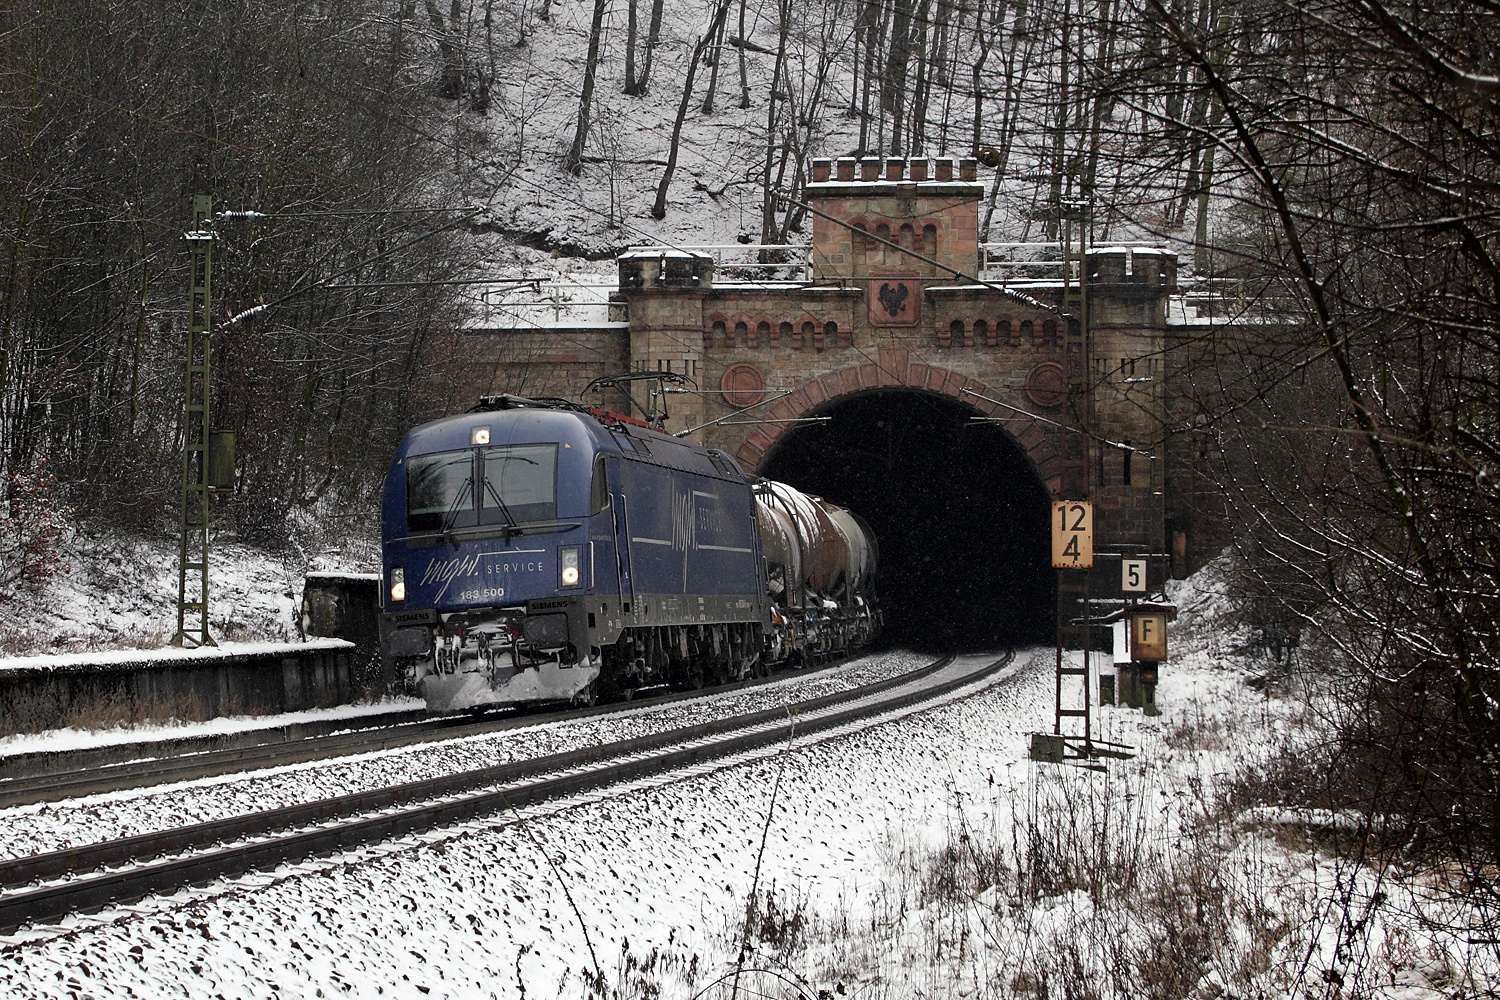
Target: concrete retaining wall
(38, 693)
(347, 606)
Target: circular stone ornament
(1047, 384)
(742, 385)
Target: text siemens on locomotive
(540, 551)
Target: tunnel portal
(956, 507)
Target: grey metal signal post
(192, 549)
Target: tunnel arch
(959, 509)
(1040, 447)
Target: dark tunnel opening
(956, 507)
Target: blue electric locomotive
(531, 549)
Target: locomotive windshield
(520, 484)
(508, 485)
(440, 491)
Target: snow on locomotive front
(537, 552)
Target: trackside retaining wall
(91, 690)
(347, 606)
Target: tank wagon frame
(538, 550)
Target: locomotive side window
(519, 484)
(440, 491)
(599, 489)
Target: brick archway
(894, 372)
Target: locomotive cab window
(519, 484)
(599, 489)
(440, 491)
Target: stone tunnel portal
(956, 507)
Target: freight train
(543, 551)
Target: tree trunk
(744, 77)
(918, 129)
(653, 38)
(574, 163)
(896, 69)
(1060, 132)
(869, 16)
(768, 199)
(713, 76)
(659, 208)
(452, 82)
(630, 31)
(1201, 262)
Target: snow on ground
(516, 152)
(82, 662)
(481, 911)
(120, 592)
(36, 829)
(924, 856)
(511, 159)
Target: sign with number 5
(1133, 575)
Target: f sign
(1148, 637)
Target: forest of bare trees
(334, 206)
(1351, 156)
(1331, 167)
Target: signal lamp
(398, 583)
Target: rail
(1042, 260)
(288, 834)
(997, 260)
(797, 265)
(73, 773)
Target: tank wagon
(537, 550)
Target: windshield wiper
(489, 488)
(446, 528)
(510, 518)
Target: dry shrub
(36, 523)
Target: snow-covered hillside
(118, 590)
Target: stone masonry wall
(746, 342)
(877, 317)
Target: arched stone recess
(1041, 447)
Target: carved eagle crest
(894, 299)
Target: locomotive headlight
(479, 435)
(569, 562)
(398, 583)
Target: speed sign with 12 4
(1073, 534)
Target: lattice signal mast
(1074, 605)
(192, 549)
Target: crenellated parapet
(926, 206)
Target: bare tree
(574, 161)
(715, 30)
(328, 151)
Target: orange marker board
(1073, 534)
(1148, 637)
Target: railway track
(81, 879)
(49, 777)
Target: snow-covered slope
(119, 591)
